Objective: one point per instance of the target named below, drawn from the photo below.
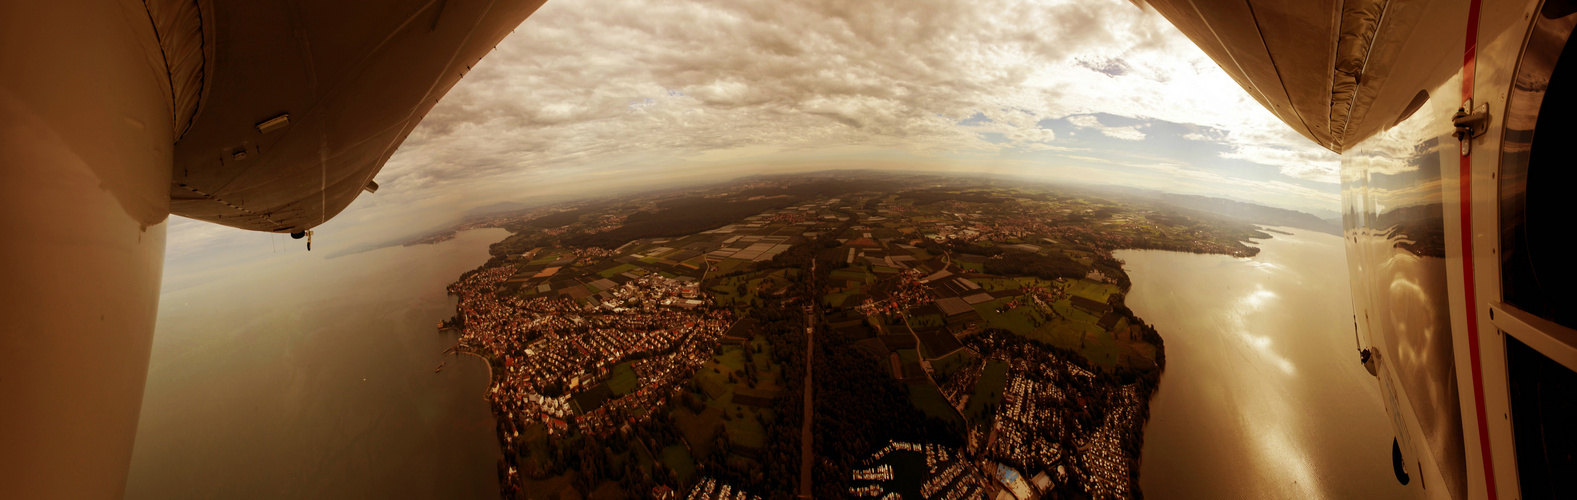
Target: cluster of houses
(553, 351)
(712, 489)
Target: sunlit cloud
(1128, 133)
(1309, 163)
(581, 83)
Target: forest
(1048, 267)
(924, 197)
(679, 218)
(859, 408)
(562, 218)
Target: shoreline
(489, 366)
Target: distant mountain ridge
(1252, 212)
(502, 206)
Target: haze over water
(1263, 395)
(313, 378)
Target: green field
(996, 284)
(555, 486)
(745, 430)
(543, 259)
(1098, 292)
(1066, 334)
(1145, 349)
(678, 459)
(1069, 328)
(1065, 309)
(948, 364)
(853, 273)
(878, 233)
(1019, 320)
(643, 457)
(744, 425)
(535, 438)
(1103, 349)
(712, 384)
(929, 400)
(1028, 281)
(617, 270)
(741, 291)
(622, 379)
(698, 429)
(735, 291)
(988, 390)
(927, 321)
(767, 371)
(732, 264)
(607, 491)
(732, 357)
(837, 299)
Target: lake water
(314, 379)
(1263, 395)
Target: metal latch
(1470, 125)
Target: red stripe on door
(1470, 295)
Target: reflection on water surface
(1263, 395)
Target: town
(970, 340)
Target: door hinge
(1470, 126)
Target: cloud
(1308, 163)
(598, 95)
(581, 83)
(1127, 133)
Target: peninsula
(964, 337)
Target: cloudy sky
(591, 96)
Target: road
(806, 453)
